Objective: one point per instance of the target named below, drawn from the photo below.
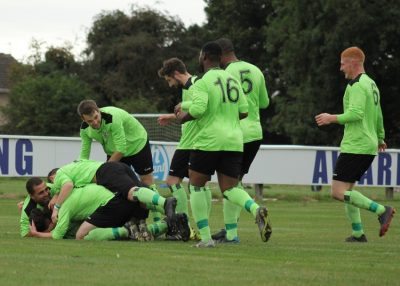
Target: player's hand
(20, 205)
(177, 109)
(165, 119)
(52, 202)
(382, 147)
(54, 215)
(32, 228)
(323, 119)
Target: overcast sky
(56, 22)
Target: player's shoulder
(361, 80)
(84, 125)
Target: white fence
(274, 164)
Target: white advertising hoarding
(274, 164)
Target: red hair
(354, 53)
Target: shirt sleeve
(263, 94)
(62, 224)
(60, 180)
(356, 108)
(24, 224)
(86, 145)
(186, 105)
(118, 136)
(199, 100)
(243, 104)
(380, 129)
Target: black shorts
(228, 163)
(350, 167)
(180, 164)
(250, 150)
(141, 162)
(117, 177)
(116, 213)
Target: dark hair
(51, 173)
(40, 218)
(212, 51)
(87, 107)
(32, 182)
(170, 66)
(226, 45)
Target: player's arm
(198, 106)
(263, 94)
(86, 145)
(119, 139)
(381, 131)
(65, 191)
(116, 156)
(356, 109)
(165, 119)
(243, 105)
(38, 234)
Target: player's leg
(84, 229)
(228, 171)
(201, 168)
(110, 233)
(230, 210)
(349, 168)
(142, 163)
(177, 171)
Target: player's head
(226, 45)
(352, 62)
(171, 71)
(38, 191)
(90, 113)
(40, 218)
(210, 56)
(51, 175)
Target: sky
(57, 23)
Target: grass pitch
(306, 248)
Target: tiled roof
(5, 62)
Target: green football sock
(178, 191)
(114, 233)
(241, 198)
(208, 192)
(353, 213)
(146, 196)
(359, 200)
(157, 228)
(198, 203)
(154, 208)
(230, 211)
(150, 196)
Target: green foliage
(125, 53)
(46, 105)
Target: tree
(125, 53)
(45, 105)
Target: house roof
(5, 63)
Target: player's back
(222, 98)
(253, 84)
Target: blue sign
(383, 174)
(160, 162)
(23, 161)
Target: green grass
(306, 248)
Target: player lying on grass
(116, 177)
(99, 208)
